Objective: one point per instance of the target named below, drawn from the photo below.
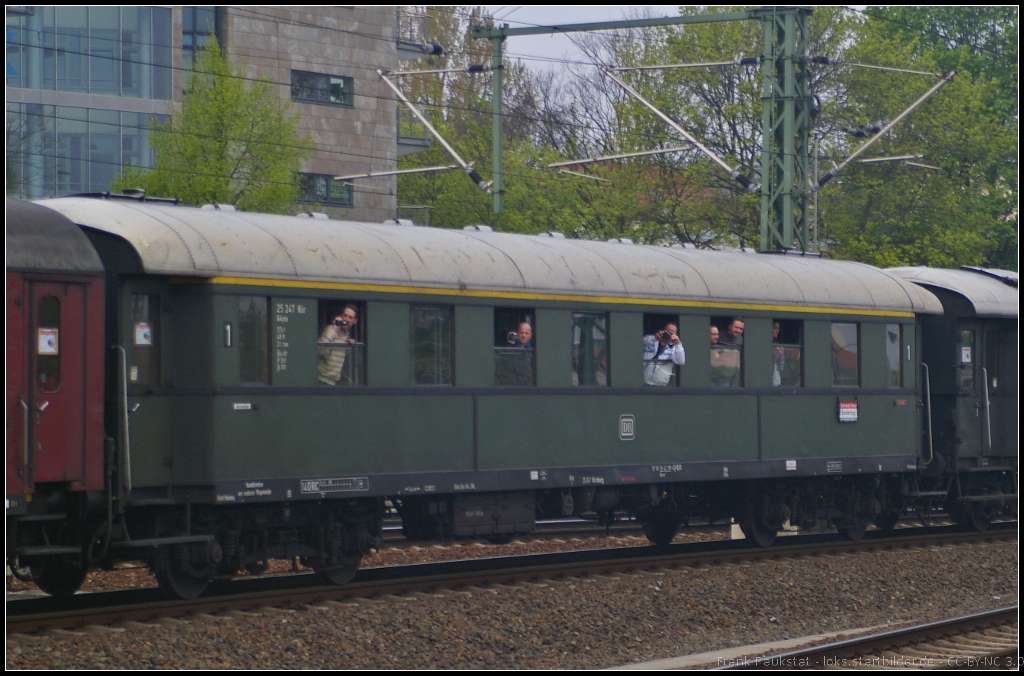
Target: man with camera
(661, 351)
(330, 359)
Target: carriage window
(513, 347)
(590, 348)
(845, 357)
(431, 331)
(893, 355)
(48, 344)
(787, 353)
(662, 350)
(253, 358)
(144, 364)
(966, 360)
(727, 351)
(341, 347)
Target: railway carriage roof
(241, 247)
(992, 293)
(39, 240)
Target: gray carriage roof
(992, 293)
(42, 240)
(183, 241)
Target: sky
(544, 51)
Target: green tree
(964, 213)
(230, 143)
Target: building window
(253, 358)
(323, 189)
(590, 349)
(320, 88)
(57, 150)
(787, 353)
(893, 355)
(431, 332)
(198, 25)
(122, 51)
(845, 357)
(513, 347)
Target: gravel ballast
(570, 624)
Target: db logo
(627, 427)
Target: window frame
(319, 90)
(577, 350)
(836, 370)
(787, 328)
(505, 353)
(309, 185)
(445, 375)
(355, 353)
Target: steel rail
(925, 646)
(145, 605)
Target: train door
(999, 396)
(969, 400)
(56, 382)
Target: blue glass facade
(118, 51)
(111, 66)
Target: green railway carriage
(243, 433)
(971, 357)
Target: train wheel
(61, 576)
(854, 533)
(660, 530)
(973, 516)
(755, 523)
(889, 517)
(176, 574)
(501, 538)
(343, 573)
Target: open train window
(431, 356)
(513, 347)
(590, 349)
(253, 357)
(727, 351)
(787, 353)
(893, 355)
(341, 348)
(663, 350)
(845, 355)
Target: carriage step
(156, 542)
(983, 498)
(989, 468)
(35, 518)
(49, 550)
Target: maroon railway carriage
(55, 372)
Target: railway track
(986, 640)
(240, 595)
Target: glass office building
(83, 84)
